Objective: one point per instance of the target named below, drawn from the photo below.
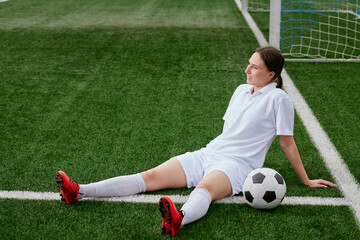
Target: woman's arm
(288, 146)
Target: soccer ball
(264, 188)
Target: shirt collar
(264, 90)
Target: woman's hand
(288, 145)
(319, 183)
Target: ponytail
(279, 82)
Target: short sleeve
(284, 117)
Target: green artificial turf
(110, 103)
(125, 13)
(104, 220)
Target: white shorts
(198, 164)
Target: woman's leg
(170, 174)
(113, 187)
(217, 184)
(212, 187)
(167, 175)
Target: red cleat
(69, 189)
(172, 218)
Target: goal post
(312, 30)
(275, 22)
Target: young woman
(258, 111)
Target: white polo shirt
(252, 122)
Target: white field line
(3, 1)
(344, 179)
(148, 198)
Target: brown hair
(274, 61)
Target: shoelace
(75, 184)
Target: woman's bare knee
(217, 184)
(150, 178)
(203, 185)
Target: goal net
(316, 29)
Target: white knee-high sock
(196, 206)
(114, 187)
